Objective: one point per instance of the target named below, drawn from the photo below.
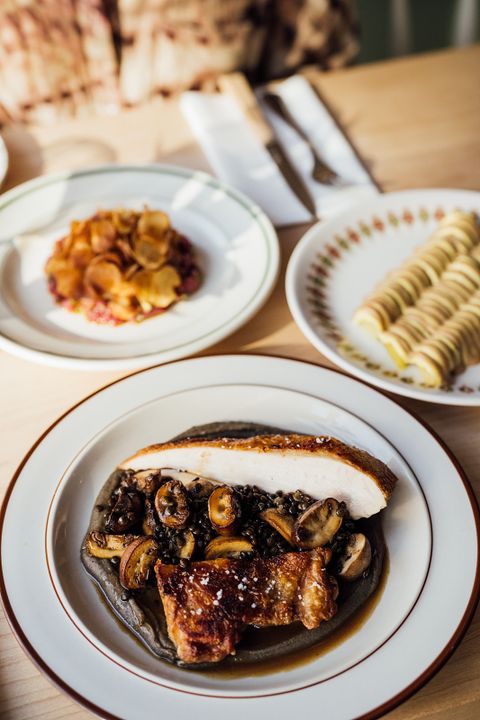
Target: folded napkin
(237, 156)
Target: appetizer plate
(237, 252)
(339, 262)
(74, 638)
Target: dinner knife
(237, 87)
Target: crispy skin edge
(324, 445)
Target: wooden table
(415, 122)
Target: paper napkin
(237, 156)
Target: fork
(321, 172)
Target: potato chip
(68, 282)
(81, 252)
(102, 235)
(124, 221)
(153, 222)
(150, 252)
(56, 264)
(102, 278)
(158, 289)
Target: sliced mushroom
(147, 481)
(187, 547)
(356, 557)
(223, 509)
(103, 545)
(149, 524)
(319, 523)
(137, 561)
(200, 486)
(227, 546)
(283, 524)
(127, 511)
(171, 504)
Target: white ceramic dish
(339, 262)
(71, 634)
(3, 160)
(237, 249)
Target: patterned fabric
(67, 57)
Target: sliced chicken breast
(321, 466)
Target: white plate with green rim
(410, 633)
(237, 252)
(339, 262)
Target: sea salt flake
(254, 605)
(215, 602)
(240, 597)
(219, 594)
(199, 611)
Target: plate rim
(195, 345)
(317, 341)
(450, 647)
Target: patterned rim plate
(412, 630)
(237, 251)
(339, 262)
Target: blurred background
(400, 27)
(64, 58)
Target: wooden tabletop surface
(415, 123)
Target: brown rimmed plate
(400, 645)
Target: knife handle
(237, 87)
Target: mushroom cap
(223, 508)
(356, 558)
(137, 560)
(171, 504)
(319, 523)
(227, 546)
(283, 524)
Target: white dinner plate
(3, 160)
(237, 253)
(339, 262)
(427, 602)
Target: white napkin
(238, 157)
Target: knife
(236, 86)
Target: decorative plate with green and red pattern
(340, 261)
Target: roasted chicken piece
(208, 604)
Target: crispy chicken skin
(208, 604)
